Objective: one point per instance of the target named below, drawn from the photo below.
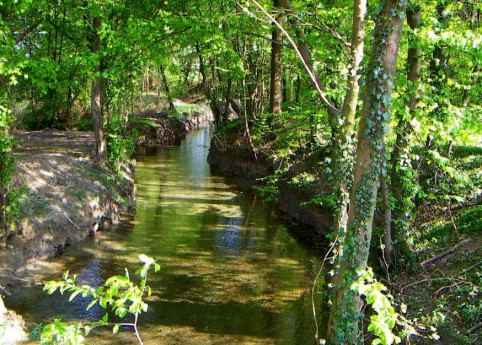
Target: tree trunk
(275, 96)
(166, 87)
(298, 89)
(345, 312)
(3, 214)
(97, 98)
(307, 61)
(285, 87)
(387, 223)
(226, 102)
(343, 127)
(399, 154)
(202, 70)
(438, 66)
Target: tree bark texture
(343, 127)
(399, 157)
(387, 223)
(166, 87)
(3, 203)
(276, 96)
(345, 312)
(96, 97)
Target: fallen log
(471, 268)
(475, 328)
(15, 280)
(444, 254)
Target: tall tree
(345, 312)
(276, 96)
(344, 123)
(400, 162)
(97, 93)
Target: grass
(468, 222)
(188, 109)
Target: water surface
(232, 272)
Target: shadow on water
(231, 269)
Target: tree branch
(27, 32)
(447, 252)
(311, 73)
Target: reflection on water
(231, 272)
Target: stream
(232, 271)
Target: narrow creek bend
(231, 272)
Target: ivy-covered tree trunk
(276, 96)
(400, 175)
(345, 312)
(96, 96)
(439, 65)
(344, 123)
(3, 203)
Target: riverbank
(170, 126)
(233, 157)
(66, 196)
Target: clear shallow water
(231, 272)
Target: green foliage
(325, 201)
(187, 109)
(14, 206)
(448, 175)
(387, 325)
(47, 60)
(83, 124)
(9, 194)
(118, 295)
(459, 300)
(468, 222)
(58, 332)
(268, 187)
(462, 151)
(120, 142)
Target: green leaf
(75, 293)
(145, 259)
(91, 304)
(116, 328)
